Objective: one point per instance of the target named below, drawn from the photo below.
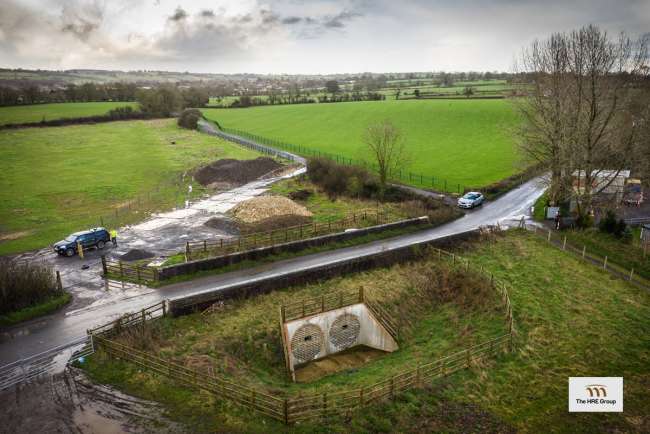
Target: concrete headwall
(255, 286)
(326, 333)
(293, 246)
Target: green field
(468, 142)
(62, 179)
(38, 112)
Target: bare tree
(385, 142)
(577, 116)
(601, 133)
(544, 112)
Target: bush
(125, 112)
(611, 225)
(25, 284)
(189, 118)
(337, 179)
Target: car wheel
(100, 245)
(69, 252)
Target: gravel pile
(261, 208)
(136, 254)
(235, 172)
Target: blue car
(96, 237)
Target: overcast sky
(293, 36)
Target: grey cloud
(207, 13)
(291, 20)
(338, 21)
(82, 19)
(179, 15)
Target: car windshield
(471, 196)
(71, 238)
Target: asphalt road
(57, 329)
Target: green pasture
(467, 142)
(58, 180)
(39, 112)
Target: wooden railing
(129, 271)
(293, 409)
(130, 319)
(223, 246)
(324, 303)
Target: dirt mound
(263, 207)
(303, 194)
(235, 171)
(274, 223)
(223, 224)
(136, 254)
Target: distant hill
(79, 76)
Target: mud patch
(349, 359)
(223, 224)
(14, 235)
(71, 403)
(261, 208)
(136, 255)
(235, 172)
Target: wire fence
(602, 260)
(402, 176)
(290, 409)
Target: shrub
(616, 227)
(189, 118)
(337, 179)
(25, 284)
(125, 112)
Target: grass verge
(48, 306)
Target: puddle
(70, 403)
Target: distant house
(604, 183)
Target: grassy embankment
(40, 309)
(466, 142)
(62, 179)
(572, 319)
(38, 112)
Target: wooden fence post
(205, 245)
(549, 236)
(121, 270)
(324, 404)
(564, 243)
(631, 274)
(187, 251)
(286, 412)
(59, 284)
(104, 264)
(605, 263)
(584, 251)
